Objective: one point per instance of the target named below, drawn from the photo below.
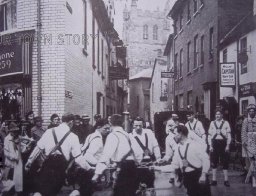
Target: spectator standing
(30, 123)
(87, 128)
(248, 129)
(13, 159)
(37, 131)
(55, 121)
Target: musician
(196, 130)
(118, 149)
(194, 162)
(13, 159)
(220, 139)
(52, 173)
(146, 149)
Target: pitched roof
(244, 26)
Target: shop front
(247, 94)
(15, 74)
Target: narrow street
(163, 188)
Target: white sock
(214, 171)
(225, 174)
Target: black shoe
(226, 183)
(214, 183)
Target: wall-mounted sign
(228, 74)
(10, 59)
(247, 90)
(167, 74)
(16, 53)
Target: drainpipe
(238, 76)
(39, 92)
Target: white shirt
(196, 156)
(170, 146)
(94, 145)
(70, 146)
(153, 146)
(197, 127)
(216, 133)
(117, 146)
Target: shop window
(243, 49)
(12, 101)
(155, 32)
(145, 32)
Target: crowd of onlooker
(19, 137)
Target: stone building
(56, 57)
(199, 25)
(145, 34)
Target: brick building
(58, 57)
(199, 25)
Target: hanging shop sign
(167, 74)
(247, 90)
(118, 73)
(228, 74)
(15, 54)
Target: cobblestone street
(163, 188)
